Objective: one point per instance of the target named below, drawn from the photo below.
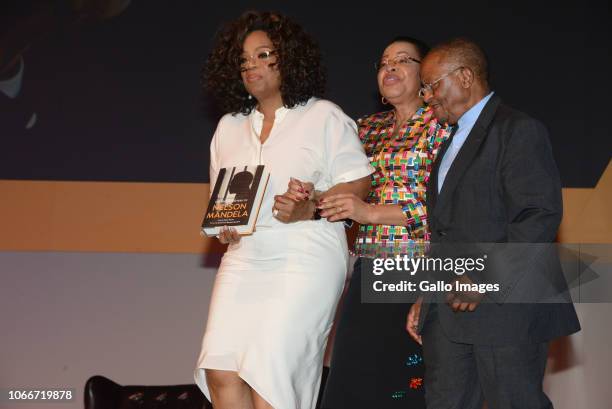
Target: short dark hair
(421, 46)
(299, 62)
(467, 53)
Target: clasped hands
(301, 200)
(297, 203)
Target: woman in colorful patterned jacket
(375, 363)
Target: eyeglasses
(259, 58)
(398, 60)
(431, 87)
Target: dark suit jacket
(503, 186)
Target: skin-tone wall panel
(165, 217)
(103, 216)
(587, 217)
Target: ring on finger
(275, 212)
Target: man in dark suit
(494, 181)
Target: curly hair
(299, 62)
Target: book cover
(236, 199)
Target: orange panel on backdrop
(165, 217)
(103, 216)
(587, 212)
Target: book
(236, 199)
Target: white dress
(276, 290)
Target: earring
(384, 101)
(250, 96)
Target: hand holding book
(235, 200)
(228, 235)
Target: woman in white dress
(276, 290)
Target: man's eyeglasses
(431, 87)
(259, 58)
(399, 60)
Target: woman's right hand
(228, 235)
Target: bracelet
(317, 214)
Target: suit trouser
(461, 376)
